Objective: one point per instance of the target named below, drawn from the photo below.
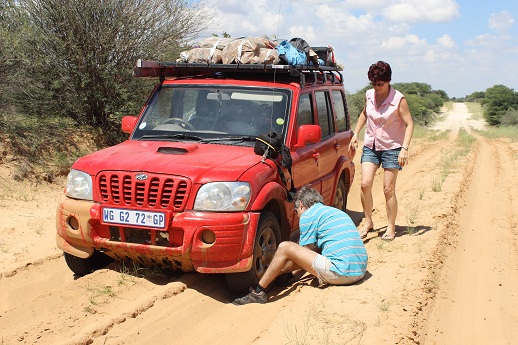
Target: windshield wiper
(237, 138)
(171, 136)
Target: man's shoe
(252, 297)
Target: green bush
(498, 100)
(510, 118)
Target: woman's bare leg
(367, 180)
(389, 189)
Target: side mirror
(308, 134)
(129, 123)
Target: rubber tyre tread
(240, 282)
(82, 267)
(341, 186)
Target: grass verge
(43, 147)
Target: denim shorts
(387, 159)
(322, 265)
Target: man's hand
(313, 247)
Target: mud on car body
(186, 190)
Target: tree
(421, 108)
(497, 102)
(12, 31)
(414, 88)
(87, 49)
(477, 96)
(510, 118)
(355, 103)
(442, 94)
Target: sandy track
(478, 300)
(439, 259)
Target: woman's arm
(404, 111)
(362, 120)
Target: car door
(328, 148)
(306, 159)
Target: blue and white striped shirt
(334, 233)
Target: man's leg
(367, 180)
(389, 189)
(288, 257)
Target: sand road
(450, 276)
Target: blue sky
(457, 46)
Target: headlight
(223, 196)
(79, 185)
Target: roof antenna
(275, 70)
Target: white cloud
(412, 11)
(397, 43)
(365, 31)
(430, 56)
(364, 4)
(486, 40)
(306, 32)
(445, 41)
(501, 22)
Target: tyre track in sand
(43, 303)
(477, 300)
(46, 304)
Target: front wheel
(267, 240)
(340, 201)
(82, 267)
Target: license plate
(131, 217)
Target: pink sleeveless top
(385, 129)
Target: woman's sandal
(388, 237)
(364, 232)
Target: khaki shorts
(321, 264)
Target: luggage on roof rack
(164, 70)
(257, 50)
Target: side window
(305, 114)
(325, 120)
(340, 108)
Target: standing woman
(387, 137)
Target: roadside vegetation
(66, 70)
(504, 130)
(67, 80)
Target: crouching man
(329, 248)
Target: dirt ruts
(448, 278)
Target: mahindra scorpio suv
(186, 190)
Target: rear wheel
(267, 240)
(86, 266)
(340, 201)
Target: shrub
(510, 118)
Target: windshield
(213, 113)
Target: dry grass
(43, 147)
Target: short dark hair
(308, 196)
(380, 71)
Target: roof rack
(163, 70)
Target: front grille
(171, 238)
(157, 191)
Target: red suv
(186, 190)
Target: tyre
(340, 201)
(86, 266)
(267, 240)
